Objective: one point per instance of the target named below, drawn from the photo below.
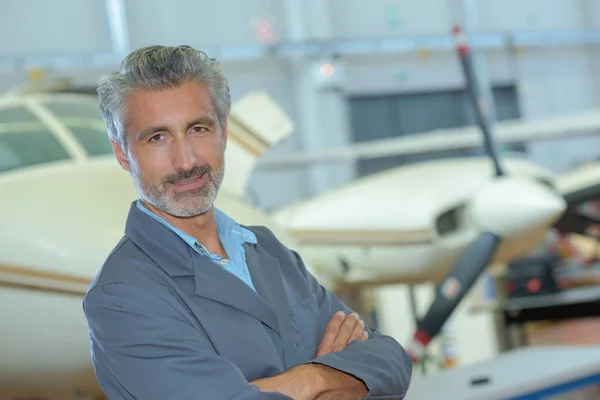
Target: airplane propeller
(539, 203)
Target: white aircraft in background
(64, 199)
(457, 216)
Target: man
(192, 305)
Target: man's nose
(183, 156)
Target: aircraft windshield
(84, 121)
(25, 141)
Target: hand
(300, 383)
(341, 331)
(314, 382)
(337, 385)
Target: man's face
(175, 148)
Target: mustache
(195, 172)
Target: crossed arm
(380, 363)
(316, 381)
(167, 358)
(143, 349)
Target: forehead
(167, 107)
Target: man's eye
(155, 138)
(199, 129)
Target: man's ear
(120, 155)
(225, 131)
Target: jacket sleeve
(143, 348)
(380, 362)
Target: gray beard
(183, 204)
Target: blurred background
(335, 102)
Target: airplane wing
(580, 184)
(505, 132)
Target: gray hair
(159, 68)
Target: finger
(331, 332)
(365, 335)
(344, 332)
(357, 333)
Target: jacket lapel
(214, 282)
(266, 276)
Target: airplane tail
(255, 123)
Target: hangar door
(380, 117)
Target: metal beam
(312, 48)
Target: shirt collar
(226, 227)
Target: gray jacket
(167, 323)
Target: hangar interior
(359, 134)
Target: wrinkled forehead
(174, 108)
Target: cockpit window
(85, 122)
(81, 109)
(17, 114)
(94, 139)
(25, 142)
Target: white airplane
(446, 221)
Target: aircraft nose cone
(516, 205)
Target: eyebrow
(208, 121)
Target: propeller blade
(480, 108)
(452, 289)
(574, 222)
